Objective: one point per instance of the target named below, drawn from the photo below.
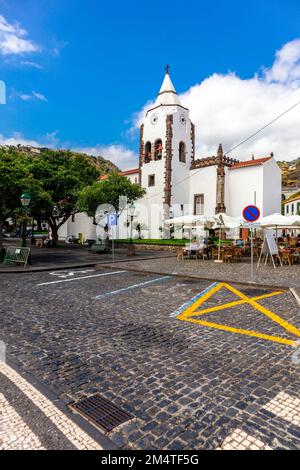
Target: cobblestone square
(188, 385)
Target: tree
(108, 191)
(12, 171)
(54, 178)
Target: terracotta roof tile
(258, 161)
(133, 171)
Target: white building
(292, 205)
(177, 183)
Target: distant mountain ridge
(104, 166)
(290, 173)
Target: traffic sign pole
(251, 214)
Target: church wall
(82, 224)
(204, 181)
(180, 170)
(271, 188)
(243, 186)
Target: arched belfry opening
(182, 152)
(147, 157)
(158, 149)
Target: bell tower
(167, 142)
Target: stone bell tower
(167, 141)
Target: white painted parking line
(82, 277)
(66, 274)
(134, 286)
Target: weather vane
(167, 68)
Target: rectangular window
(73, 218)
(292, 209)
(199, 204)
(287, 209)
(151, 180)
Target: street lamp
(25, 201)
(131, 211)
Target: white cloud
(49, 140)
(17, 138)
(28, 63)
(29, 96)
(228, 109)
(120, 155)
(39, 96)
(13, 39)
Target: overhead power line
(236, 146)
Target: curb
(296, 296)
(75, 266)
(105, 442)
(189, 276)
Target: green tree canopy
(108, 191)
(54, 178)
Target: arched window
(147, 158)
(182, 152)
(158, 148)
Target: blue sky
(84, 68)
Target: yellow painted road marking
(265, 311)
(192, 311)
(233, 304)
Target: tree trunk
(1, 230)
(54, 232)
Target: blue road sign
(112, 220)
(251, 213)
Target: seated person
(239, 242)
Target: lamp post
(25, 201)
(131, 212)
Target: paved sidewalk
(43, 259)
(286, 276)
(30, 421)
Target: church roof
(258, 161)
(167, 94)
(133, 171)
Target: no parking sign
(251, 213)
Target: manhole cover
(101, 412)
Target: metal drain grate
(101, 412)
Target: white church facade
(177, 183)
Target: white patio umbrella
(280, 221)
(190, 222)
(277, 221)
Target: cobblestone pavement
(288, 276)
(29, 421)
(188, 385)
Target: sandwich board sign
(269, 248)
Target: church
(178, 183)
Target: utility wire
(235, 147)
